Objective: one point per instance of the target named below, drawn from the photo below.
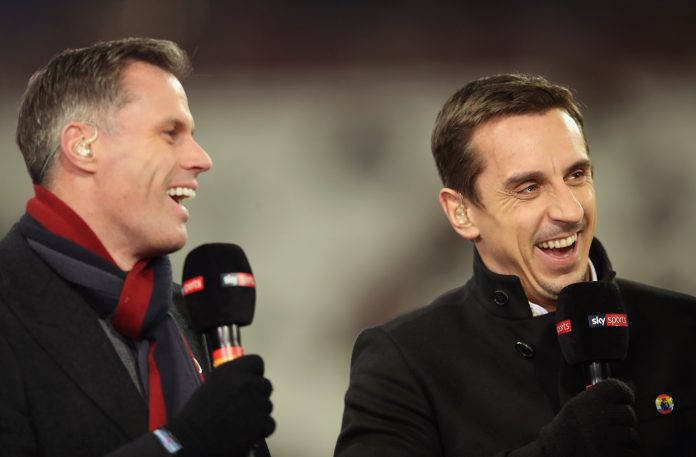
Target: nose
(565, 206)
(196, 158)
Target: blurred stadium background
(318, 115)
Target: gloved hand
(598, 422)
(228, 414)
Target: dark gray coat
(63, 389)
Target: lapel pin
(664, 404)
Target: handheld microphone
(220, 293)
(592, 327)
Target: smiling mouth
(560, 245)
(180, 194)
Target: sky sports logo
(607, 320)
(192, 285)
(564, 327)
(237, 280)
(594, 321)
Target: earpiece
(460, 215)
(82, 148)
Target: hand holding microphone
(230, 413)
(592, 329)
(598, 422)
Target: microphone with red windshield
(592, 327)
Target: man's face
(539, 211)
(147, 162)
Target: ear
(77, 145)
(457, 210)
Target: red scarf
(129, 316)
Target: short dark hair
(83, 85)
(478, 102)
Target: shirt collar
(503, 295)
(540, 311)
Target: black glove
(228, 414)
(598, 422)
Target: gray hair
(83, 85)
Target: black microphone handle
(225, 344)
(597, 372)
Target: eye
(577, 175)
(527, 190)
(171, 135)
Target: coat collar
(503, 295)
(67, 328)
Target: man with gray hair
(96, 359)
(480, 371)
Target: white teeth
(184, 193)
(557, 244)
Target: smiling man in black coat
(95, 360)
(479, 372)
